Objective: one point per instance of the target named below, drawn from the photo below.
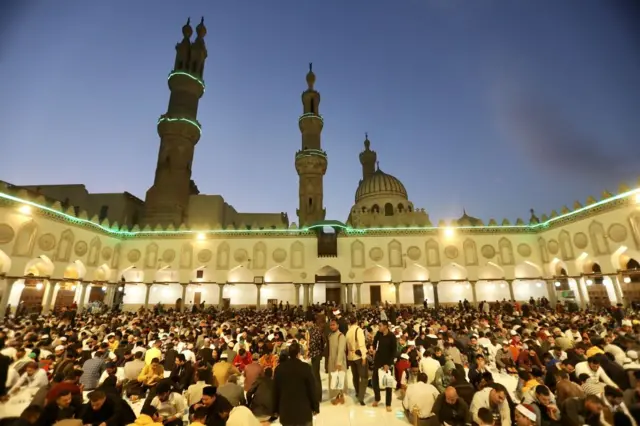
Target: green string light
(186, 74)
(347, 229)
(310, 115)
(186, 120)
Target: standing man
(385, 346)
(337, 362)
(357, 359)
(296, 400)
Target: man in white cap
(525, 415)
(343, 326)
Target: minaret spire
(368, 159)
(167, 201)
(311, 160)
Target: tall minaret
(368, 159)
(311, 160)
(167, 201)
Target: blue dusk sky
(492, 106)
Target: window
(400, 208)
(104, 211)
(200, 273)
(388, 209)
(311, 107)
(310, 202)
(596, 269)
(375, 208)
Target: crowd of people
(498, 364)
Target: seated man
(419, 399)
(170, 405)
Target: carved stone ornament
(488, 251)
(617, 233)
(580, 240)
(303, 275)
(524, 250)
(451, 252)
(134, 255)
(81, 247)
(47, 242)
(204, 256)
(414, 253)
(6, 233)
(107, 252)
(352, 275)
(279, 255)
(376, 254)
(553, 246)
(168, 255)
(240, 255)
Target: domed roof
(380, 184)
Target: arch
(151, 256)
(598, 238)
(63, 252)
(40, 266)
(470, 252)
(506, 251)
(222, 256)
(376, 274)
(544, 253)
(453, 272)
(621, 257)
(491, 271)
(375, 209)
(527, 269)
(167, 275)
(186, 256)
(297, 255)
(432, 252)
(357, 254)
(327, 271)
(240, 274)
(102, 273)
(5, 262)
(131, 275)
(632, 264)
(75, 270)
(93, 257)
(566, 247)
(557, 266)
(259, 256)
(388, 209)
(25, 240)
(278, 274)
(414, 272)
(395, 254)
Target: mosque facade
(60, 244)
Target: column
(296, 299)
(110, 295)
(358, 294)
(619, 279)
(397, 286)
(258, 291)
(311, 293)
(146, 295)
(220, 295)
(553, 296)
(436, 298)
(511, 293)
(616, 288)
(46, 307)
(345, 296)
(6, 284)
(305, 295)
(83, 295)
(184, 296)
(349, 296)
(475, 296)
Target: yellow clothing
(113, 346)
(151, 354)
(222, 370)
(148, 377)
(593, 350)
(529, 385)
(196, 424)
(144, 420)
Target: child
(199, 416)
(485, 417)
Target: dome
(380, 184)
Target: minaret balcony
(311, 153)
(310, 121)
(170, 125)
(183, 80)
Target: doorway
(96, 294)
(64, 298)
(334, 295)
(196, 297)
(375, 294)
(418, 294)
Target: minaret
(368, 159)
(311, 160)
(167, 201)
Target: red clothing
(401, 366)
(242, 361)
(59, 387)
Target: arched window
(633, 265)
(409, 209)
(388, 209)
(564, 282)
(364, 209)
(596, 269)
(375, 208)
(400, 208)
(311, 107)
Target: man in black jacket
(385, 345)
(295, 396)
(182, 374)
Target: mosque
(60, 244)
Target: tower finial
(311, 77)
(187, 31)
(310, 66)
(377, 165)
(201, 30)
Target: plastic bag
(337, 380)
(386, 379)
